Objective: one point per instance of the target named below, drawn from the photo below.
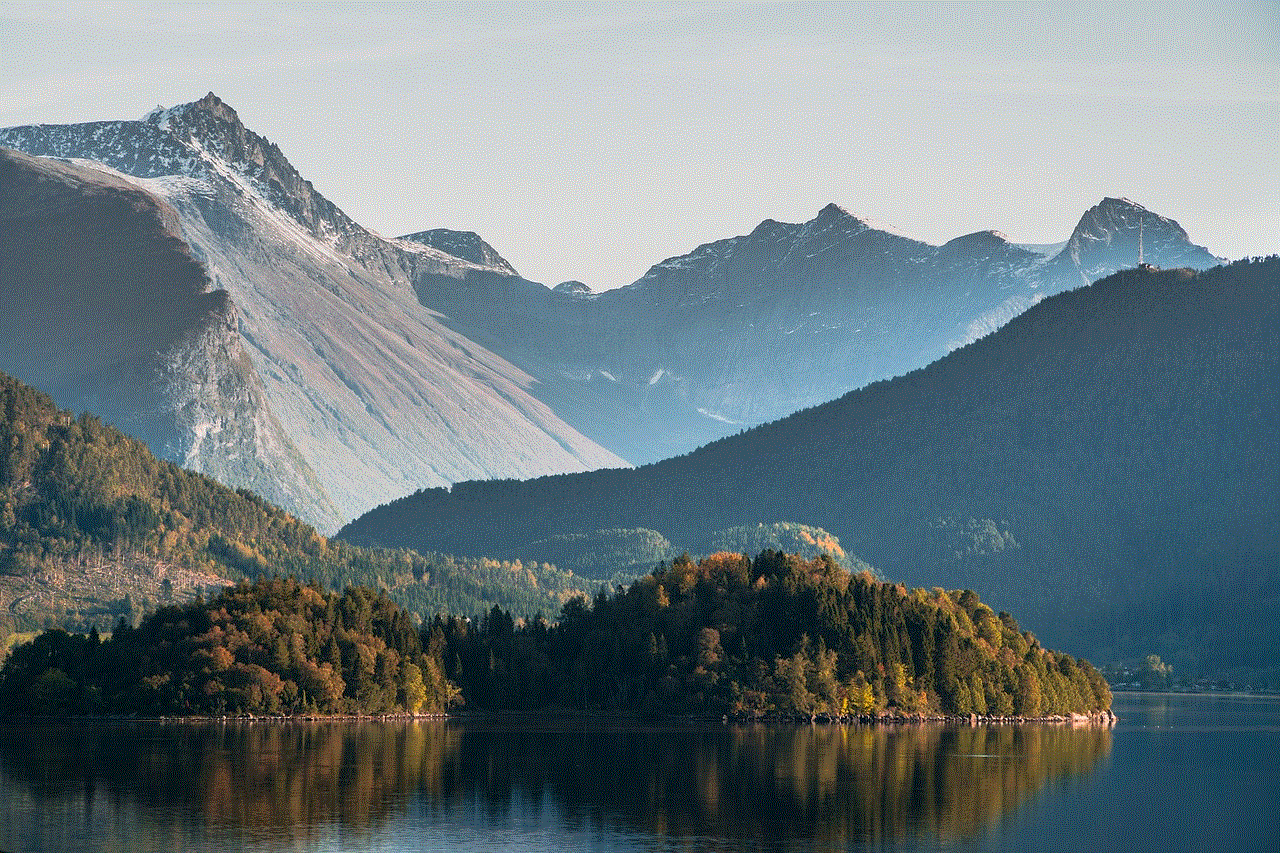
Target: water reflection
(331, 785)
(839, 785)
(1198, 712)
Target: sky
(589, 142)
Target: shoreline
(888, 718)
(1106, 718)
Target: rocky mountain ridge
(677, 358)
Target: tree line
(777, 634)
(774, 635)
(271, 647)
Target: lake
(1177, 773)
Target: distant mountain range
(179, 277)
(1105, 465)
(749, 329)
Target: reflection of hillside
(832, 785)
(285, 776)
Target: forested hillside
(777, 635)
(620, 555)
(93, 527)
(773, 635)
(1105, 465)
(276, 647)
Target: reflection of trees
(238, 775)
(832, 784)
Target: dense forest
(1105, 465)
(274, 647)
(777, 635)
(93, 528)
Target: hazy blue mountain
(748, 329)
(1105, 465)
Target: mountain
(191, 286)
(749, 329)
(1118, 228)
(463, 244)
(104, 303)
(344, 369)
(1105, 464)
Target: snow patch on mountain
(717, 417)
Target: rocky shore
(1105, 718)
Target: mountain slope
(93, 528)
(102, 302)
(1105, 464)
(375, 395)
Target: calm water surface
(1178, 773)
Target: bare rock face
(279, 346)
(224, 425)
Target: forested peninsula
(778, 635)
(772, 637)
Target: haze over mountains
(247, 328)
(1105, 465)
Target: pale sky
(592, 141)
